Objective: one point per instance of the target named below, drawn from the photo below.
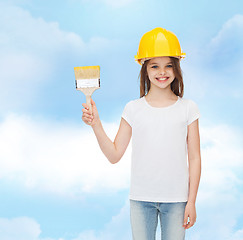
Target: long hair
(177, 86)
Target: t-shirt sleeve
(127, 113)
(193, 112)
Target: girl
(165, 133)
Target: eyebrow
(157, 63)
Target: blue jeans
(144, 220)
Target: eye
(170, 66)
(154, 66)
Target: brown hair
(177, 86)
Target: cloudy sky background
(55, 183)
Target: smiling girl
(166, 160)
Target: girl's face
(160, 71)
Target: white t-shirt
(159, 168)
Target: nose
(162, 71)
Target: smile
(162, 79)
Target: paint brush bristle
(88, 76)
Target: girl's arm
(112, 150)
(194, 159)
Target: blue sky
(55, 183)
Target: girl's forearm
(194, 178)
(106, 145)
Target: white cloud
(25, 228)
(22, 228)
(231, 29)
(117, 228)
(238, 235)
(30, 53)
(225, 50)
(218, 64)
(63, 158)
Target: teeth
(161, 78)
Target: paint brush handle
(88, 102)
(88, 93)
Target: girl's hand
(190, 211)
(87, 117)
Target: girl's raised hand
(87, 117)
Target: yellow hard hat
(157, 43)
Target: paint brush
(87, 80)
